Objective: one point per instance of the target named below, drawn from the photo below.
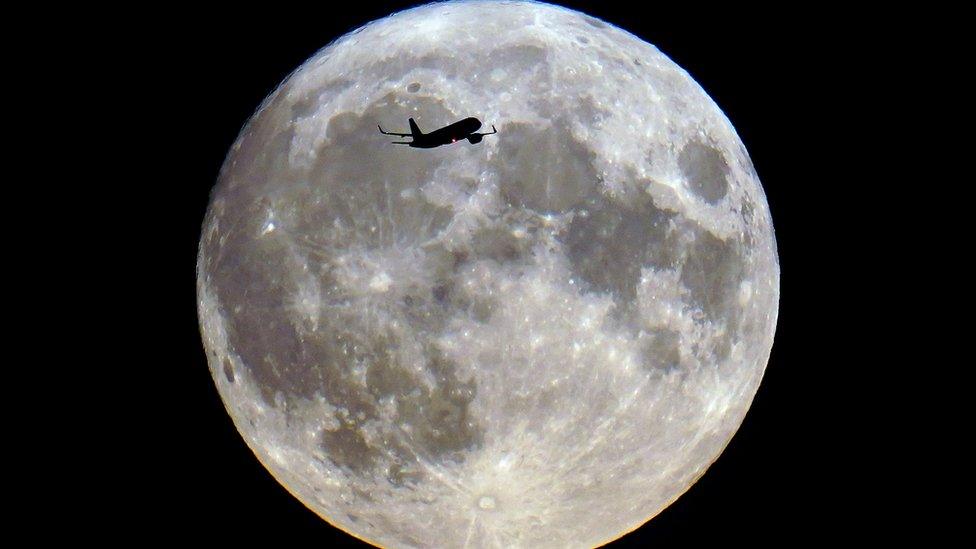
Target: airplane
(462, 129)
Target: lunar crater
(706, 171)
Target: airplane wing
(393, 133)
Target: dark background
(789, 84)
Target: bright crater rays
(537, 341)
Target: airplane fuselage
(453, 133)
(458, 131)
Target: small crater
(637, 62)
(486, 503)
(582, 40)
(414, 87)
(228, 370)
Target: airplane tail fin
(415, 129)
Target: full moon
(538, 340)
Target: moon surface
(540, 340)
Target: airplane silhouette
(462, 129)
